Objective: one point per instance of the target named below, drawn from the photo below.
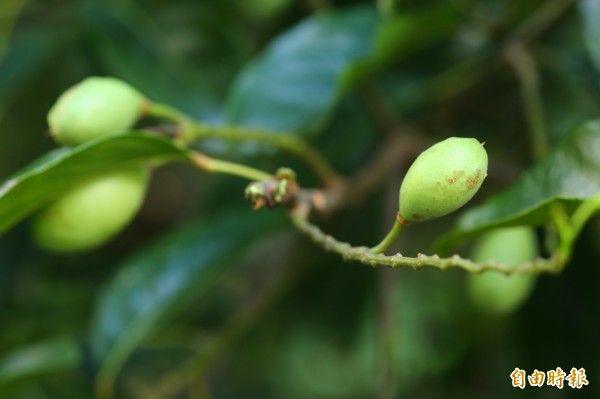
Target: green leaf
(130, 45)
(160, 280)
(51, 356)
(297, 81)
(569, 174)
(590, 13)
(46, 178)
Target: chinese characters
(557, 378)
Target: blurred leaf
(403, 34)
(24, 56)
(153, 285)
(590, 13)
(39, 183)
(395, 40)
(569, 174)
(352, 126)
(9, 12)
(296, 82)
(52, 356)
(127, 47)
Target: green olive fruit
(442, 179)
(495, 292)
(95, 107)
(91, 212)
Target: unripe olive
(442, 179)
(92, 212)
(95, 107)
(495, 292)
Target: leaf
(590, 13)
(25, 56)
(569, 174)
(297, 81)
(129, 45)
(46, 178)
(51, 356)
(161, 279)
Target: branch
(391, 237)
(540, 20)
(364, 255)
(213, 165)
(283, 141)
(462, 76)
(191, 130)
(525, 68)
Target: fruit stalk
(192, 130)
(214, 165)
(390, 238)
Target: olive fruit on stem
(442, 179)
(93, 108)
(91, 212)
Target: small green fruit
(495, 292)
(92, 212)
(95, 107)
(442, 179)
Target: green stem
(389, 239)
(285, 142)
(192, 130)
(364, 255)
(570, 228)
(168, 113)
(213, 165)
(562, 225)
(584, 212)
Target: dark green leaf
(297, 81)
(46, 178)
(569, 174)
(52, 356)
(129, 45)
(395, 41)
(158, 281)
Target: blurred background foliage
(201, 297)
